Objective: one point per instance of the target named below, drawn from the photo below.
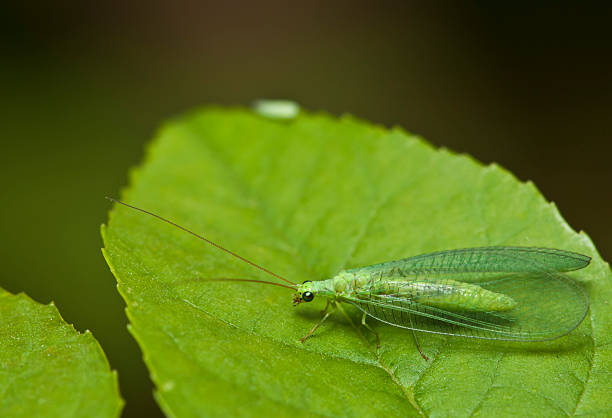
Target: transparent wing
(548, 304)
(483, 260)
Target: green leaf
(306, 198)
(47, 368)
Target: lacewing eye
(307, 296)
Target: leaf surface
(47, 368)
(307, 198)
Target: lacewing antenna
(232, 279)
(214, 244)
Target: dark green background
(84, 86)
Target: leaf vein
(590, 372)
(491, 385)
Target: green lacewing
(494, 293)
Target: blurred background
(85, 85)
